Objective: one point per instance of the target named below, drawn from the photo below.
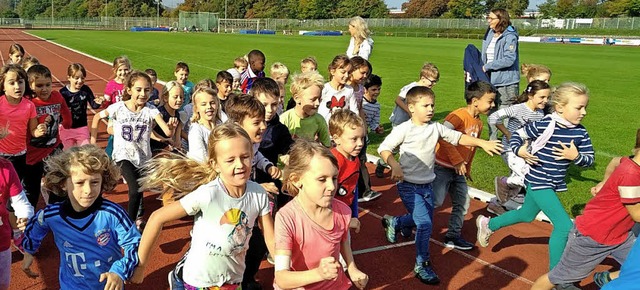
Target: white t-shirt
(221, 232)
(365, 48)
(198, 142)
(333, 99)
(398, 115)
(131, 132)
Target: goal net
(199, 21)
(235, 25)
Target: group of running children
(212, 151)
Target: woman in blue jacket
(500, 58)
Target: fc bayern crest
(103, 237)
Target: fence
(205, 21)
(377, 24)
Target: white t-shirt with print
(221, 232)
(333, 99)
(132, 132)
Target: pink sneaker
(17, 242)
(484, 233)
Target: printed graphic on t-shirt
(50, 116)
(238, 235)
(336, 103)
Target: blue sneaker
(389, 225)
(458, 243)
(601, 278)
(424, 272)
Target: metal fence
(380, 25)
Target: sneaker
(389, 225)
(369, 195)
(601, 278)
(458, 243)
(502, 188)
(17, 242)
(425, 273)
(494, 208)
(406, 232)
(482, 222)
(380, 170)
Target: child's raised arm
(157, 220)
(36, 230)
(128, 238)
(36, 130)
(95, 122)
(489, 146)
(167, 128)
(287, 279)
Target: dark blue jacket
(472, 64)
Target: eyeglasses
(491, 18)
(433, 82)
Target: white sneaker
(484, 233)
(369, 196)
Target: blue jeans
(447, 180)
(418, 199)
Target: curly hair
(91, 158)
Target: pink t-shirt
(9, 186)
(114, 91)
(309, 242)
(17, 116)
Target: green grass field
(605, 70)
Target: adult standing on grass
(361, 43)
(500, 58)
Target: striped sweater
(517, 116)
(550, 173)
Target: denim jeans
(418, 199)
(447, 180)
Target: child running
(132, 122)
(10, 191)
(96, 239)
(557, 141)
(206, 115)
(337, 94)
(171, 101)
(225, 204)
(604, 228)
(529, 108)
(303, 120)
(77, 95)
(417, 139)
(312, 230)
(16, 54)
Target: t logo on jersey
(75, 263)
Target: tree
(548, 9)
(515, 7)
(363, 8)
(29, 9)
(465, 9)
(425, 8)
(264, 9)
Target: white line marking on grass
(468, 256)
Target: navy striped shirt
(551, 173)
(90, 242)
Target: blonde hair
(240, 61)
(343, 118)
(168, 87)
(29, 61)
(303, 81)
(300, 155)
(564, 91)
(181, 175)
(118, 62)
(362, 32)
(533, 70)
(430, 70)
(91, 158)
(309, 59)
(205, 83)
(195, 118)
(278, 69)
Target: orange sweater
(448, 155)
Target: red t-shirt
(17, 116)
(9, 186)
(53, 112)
(605, 218)
(348, 174)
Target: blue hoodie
(505, 68)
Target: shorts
(582, 254)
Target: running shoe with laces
(424, 272)
(482, 222)
(389, 225)
(495, 208)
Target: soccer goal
(235, 25)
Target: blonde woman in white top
(361, 43)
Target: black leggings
(364, 182)
(255, 254)
(131, 175)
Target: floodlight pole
(225, 9)
(158, 13)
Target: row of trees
(315, 9)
